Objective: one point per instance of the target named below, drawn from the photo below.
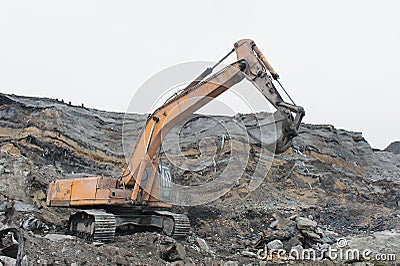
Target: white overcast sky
(340, 60)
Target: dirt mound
(329, 184)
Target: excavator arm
(252, 65)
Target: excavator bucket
(12, 247)
(271, 130)
(285, 133)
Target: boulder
(275, 244)
(305, 224)
(59, 237)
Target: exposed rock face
(394, 147)
(329, 184)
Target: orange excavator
(135, 198)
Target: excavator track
(96, 225)
(181, 226)
(99, 225)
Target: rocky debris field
(330, 188)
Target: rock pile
(294, 232)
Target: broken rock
(296, 251)
(32, 223)
(275, 244)
(180, 250)
(331, 234)
(311, 235)
(177, 263)
(203, 245)
(294, 241)
(121, 261)
(247, 253)
(4, 260)
(20, 206)
(174, 252)
(59, 237)
(231, 263)
(305, 224)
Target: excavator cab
(165, 183)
